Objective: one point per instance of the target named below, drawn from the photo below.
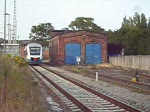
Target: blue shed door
(71, 51)
(93, 54)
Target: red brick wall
(46, 54)
(81, 37)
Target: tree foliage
(41, 33)
(134, 35)
(85, 23)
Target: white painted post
(96, 76)
(78, 59)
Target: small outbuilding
(68, 47)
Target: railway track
(126, 81)
(142, 78)
(125, 73)
(138, 85)
(79, 97)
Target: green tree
(133, 35)
(65, 29)
(135, 22)
(85, 23)
(135, 39)
(143, 23)
(41, 33)
(148, 24)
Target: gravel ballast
(138, 100)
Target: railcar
(33, 53)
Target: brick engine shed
(65, 47)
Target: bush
(21, 95)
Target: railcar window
(35, 50)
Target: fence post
(96, 76)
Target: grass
(137, 90)
(78, 70)
(21, 94)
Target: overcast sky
(108, 14)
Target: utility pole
(14, 24)
(9, 29)
(5, 27)
(5, 74)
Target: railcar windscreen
(35, 50)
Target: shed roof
(72, 33)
